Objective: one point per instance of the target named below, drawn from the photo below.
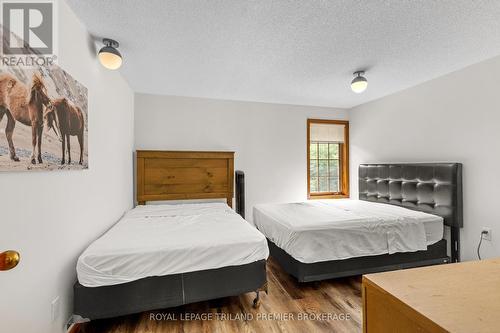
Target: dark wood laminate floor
(331, 306)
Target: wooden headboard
(180, 175)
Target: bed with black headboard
(434, 188)
(178, 175)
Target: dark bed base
(435, 254)
(167, 291)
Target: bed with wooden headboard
(183, 175)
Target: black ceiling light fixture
(109, 56)
(359, 83)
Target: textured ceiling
(293, 52)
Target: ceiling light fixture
(109, 56)
(359, 83)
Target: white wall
(452, 118)
(50, 217)
(269, 139)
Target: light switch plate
(55, 308)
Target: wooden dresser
(462, 297)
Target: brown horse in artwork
(7, 83)
(68, 120)
(26, 107)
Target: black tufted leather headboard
(434, 188)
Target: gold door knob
(9, 260)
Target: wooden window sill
(328, 196)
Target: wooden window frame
(344, 161)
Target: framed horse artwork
(43, 119)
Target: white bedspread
(321, 230)
(169, 239)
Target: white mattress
(321, 230)
(170, 239)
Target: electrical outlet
(486, 233)
(55, 308)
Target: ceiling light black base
(110, 42)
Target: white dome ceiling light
(109, 56)
(359, 83)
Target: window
(327, 159)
